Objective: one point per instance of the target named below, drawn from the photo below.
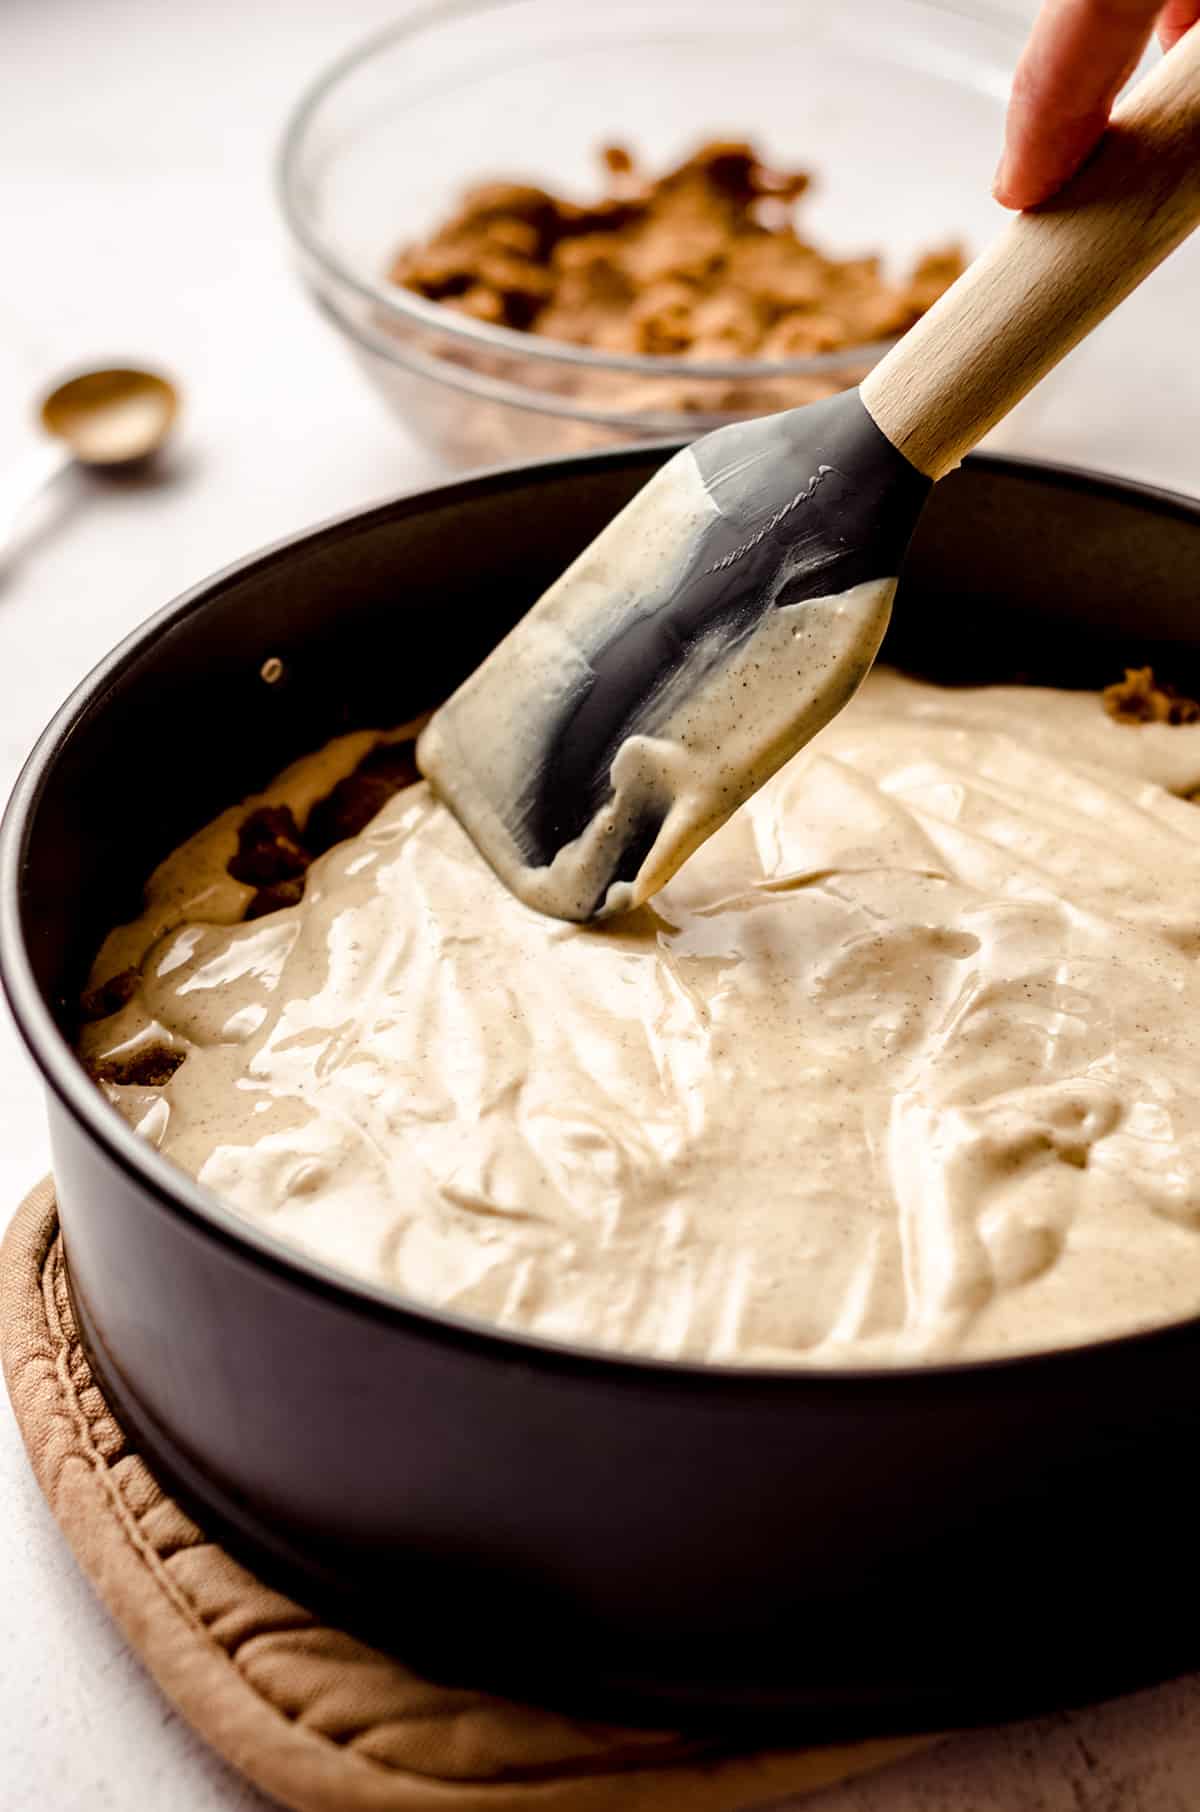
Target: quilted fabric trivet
(311, 1715)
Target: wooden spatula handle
(1051, 277)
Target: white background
(136, 219)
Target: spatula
(728, 612)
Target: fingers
(1175, 18)
(1079, 55)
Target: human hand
(1079, 55)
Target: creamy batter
(903, 1065)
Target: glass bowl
(895, 105)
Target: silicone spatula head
(717, 623)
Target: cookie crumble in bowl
(380, 151)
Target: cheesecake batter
(903, 1065)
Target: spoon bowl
(111, 417)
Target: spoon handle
(1050, 278)
(25, 480)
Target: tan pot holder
(309, 1714)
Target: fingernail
(999, 180)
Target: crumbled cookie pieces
(149, 1067)
(703, 263)
(1141, 699)
(385, 770)
(270, 848)
(109, 997)
(273, 856)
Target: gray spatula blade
(717, 623)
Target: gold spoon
(105, 420)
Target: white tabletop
(138, 221)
